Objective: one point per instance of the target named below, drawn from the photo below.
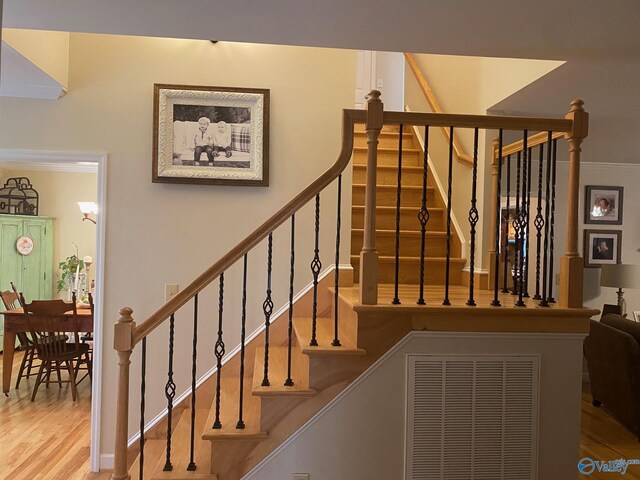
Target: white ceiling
(599, 40)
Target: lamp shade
(88, 207)
(620, 276)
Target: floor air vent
(472, 418)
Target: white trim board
(52, 161)
(49, 160)
(281, 311)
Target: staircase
(339, 328)
(410, 201)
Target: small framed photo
(603, 205)
(602, 247)
(636, 316)
(210, 135)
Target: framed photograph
(603, 205)
(602, 247)
(210, 135)
(636, 316)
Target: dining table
(15, 322)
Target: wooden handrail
(349, 118)
(458, 151)
(532, 141)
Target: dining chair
(49, 321)
(11, 301)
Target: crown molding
(50, 161)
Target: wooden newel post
(369, 254)
(123, 343)
(493, 227)
(571, 264)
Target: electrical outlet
(170, 290)
(301, 476)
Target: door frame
(87, 162)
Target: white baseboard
(106, 461)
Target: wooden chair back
(10, 299)
(49, 322)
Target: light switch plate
(170, 290)
(301, 476)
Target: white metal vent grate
(472, 418)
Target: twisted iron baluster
(267, 307)
(522, 221)
(449, 195)
(240, 425)
(219, 351)
(396, 299)
(496, 301)
(336, 340)
(539, 222)
(143, 386)
(423, 215)
(170, 393)
(527, 227)
(192, 464)
(289, 381)
(547, 206)
(473, 218)
(316, 265)
(553, 220)
(516, 228)
(505, 274)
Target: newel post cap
(123, 331)
(375, 110)
(580, 118)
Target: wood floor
(49, 439)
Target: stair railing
(128, 334)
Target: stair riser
(386, 220)
(388, 176)
(387, 197)
(409, 245)
(410, 272)
(385, 140)
(390, 159)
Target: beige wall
(59, 194)
(157, 234)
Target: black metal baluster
(473, 218)
(143, 386)
(240, 425)
(553, 220)
(336, 339)
(516, 228)
(547, 206)
(449, 195)
(423, 215)
(219, 351)
(396, 300)
(527, 227)
(194, 354)
(289, 381)
(539, 222)
(316, 265)
(170, 393)
(505, 273)
(522, 221)
(496, 301)
(267, 307)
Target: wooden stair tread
(278, 374)
(410, 233)
(405, 168)
(405, 150)
(402, 209)
(324, 336)
(393, 187)
(229, 406)
(387, 259)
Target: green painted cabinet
(32, 274)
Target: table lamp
(620, 276)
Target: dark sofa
(613, 358)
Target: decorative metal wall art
(18, 197)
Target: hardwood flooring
(49, 438)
